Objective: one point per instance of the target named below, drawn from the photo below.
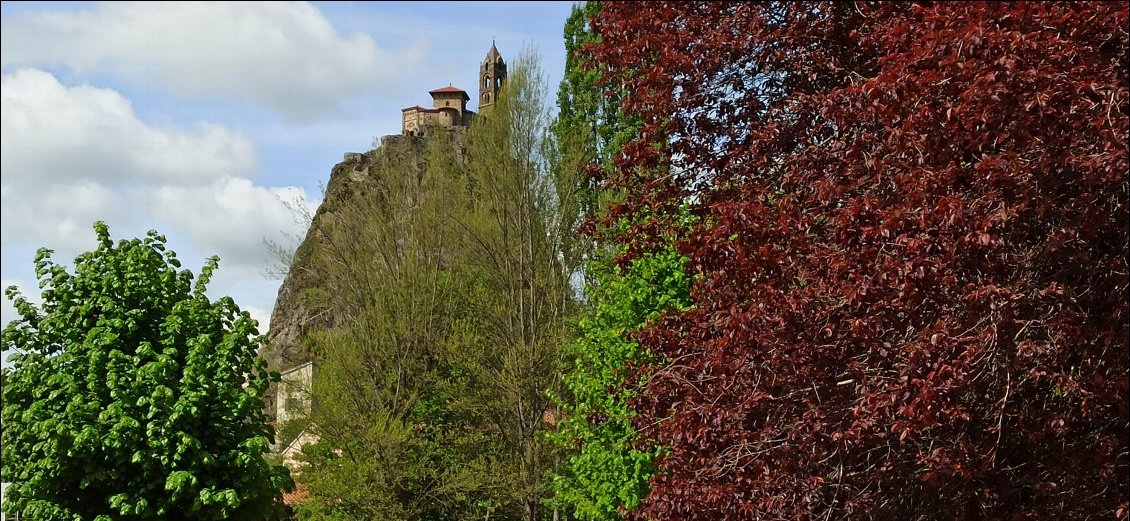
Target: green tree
(588, 109)
(607, 469)
(586, 134)
(132, 395)
(519, 297)
(442, 264)
(395, 438)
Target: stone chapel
(449, 104)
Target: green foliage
(586, 134)
(518, 295)
(396, 440)
(444, 269)
(132, 395)
(588, 112)
(608, 469)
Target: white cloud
(283, 55)
(59, 216)
(55, 133)
(261, 315)
(72, 155)
(232, 216)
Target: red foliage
(911, 245)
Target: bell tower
(492, 74)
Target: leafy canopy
(132, 395)
(396, 436)
(607, 468)
(910, 255)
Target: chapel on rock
(449, 104)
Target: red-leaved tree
(910, 254)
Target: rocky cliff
(293, 314)
(296, 312)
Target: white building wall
(293, 399)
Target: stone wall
(417, 119)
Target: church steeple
(493, 54)
(491, 75)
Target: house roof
(297, 496)
(297, 367)
(449, 90)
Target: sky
(205, 121)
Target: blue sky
(200, 119)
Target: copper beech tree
(909, 255)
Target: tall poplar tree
(513, 246)
(605, 466)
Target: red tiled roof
(449, 90)
(298, 495)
